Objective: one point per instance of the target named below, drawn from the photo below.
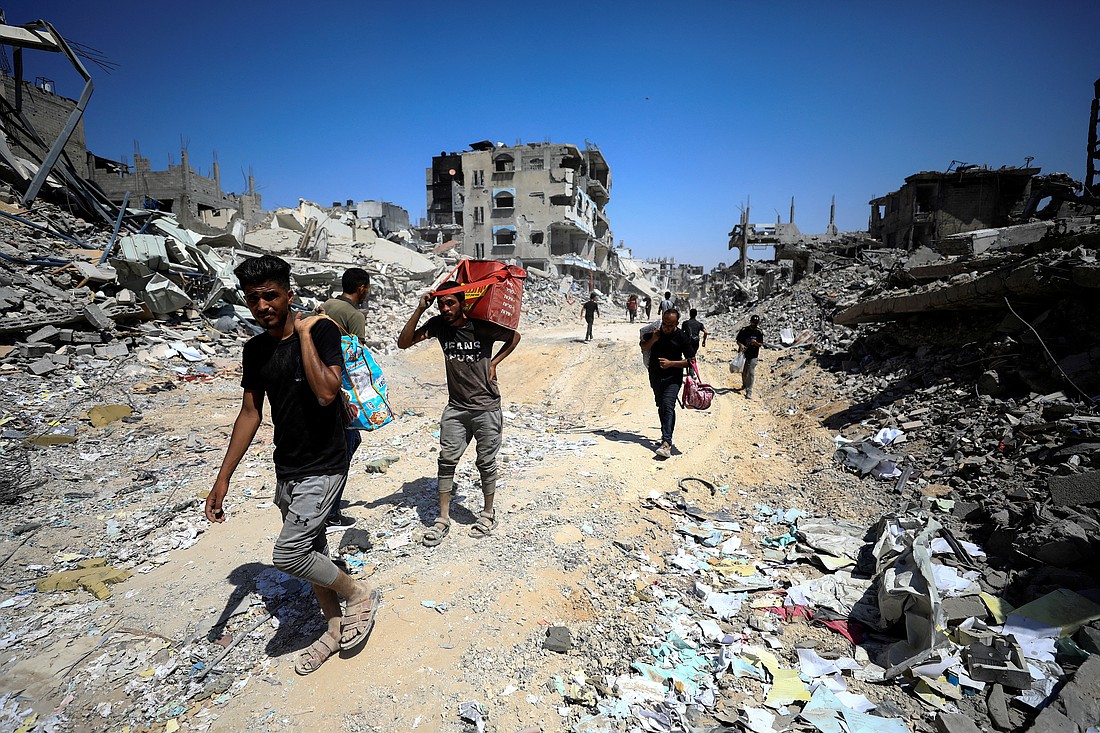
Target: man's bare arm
(323, 379)
(410, 334)
(244, 430)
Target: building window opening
(925, 199)
(504, 236)
(533, 164)
(537, 237)
(504, 163)
(504, 200)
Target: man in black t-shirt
(473, 408)
(750, 339)
(670, 352)
(589, 311)
(694, 328)
(296, 363)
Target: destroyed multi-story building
(934, 204)
(48, 113)
(541, 205)
(35, 115)
(198, 201)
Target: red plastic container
(493, 290)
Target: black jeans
(664, 394)
(588, 335)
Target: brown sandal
(435, 534)
(485, 524)
(355, 626)
(315, 655)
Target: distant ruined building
(540, 205)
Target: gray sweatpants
(456, 428)
(748, 376)
(301, 549)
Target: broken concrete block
(997, 706)
(45, 365)
(955, 723)
(112, 350)
(93, 576)
(558, 639)
(1002, 662)
(84, 350)
(1052, 721)
(990, 383)
(5, 350)
(1088, 639)
(1075, 490)
(1081, 697)
(959, 609)
(62, 360)
(34, 351)
(97, 318)
(87, 337)
(45, 334)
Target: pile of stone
(966, 385)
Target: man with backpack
(346, 310)
(296, 363)
(670, 352)
(694, 328)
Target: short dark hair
(668, 293)
(693, 312)
(592, 297)
(353, 278)
(754, 318)
(260, 270)
(672, 310)
(461, 294)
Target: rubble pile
(988, 422)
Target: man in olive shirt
(345, 310)
(473, 410)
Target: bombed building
(542, 205)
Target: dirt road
(465, 620)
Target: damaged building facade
(198, 201)
(541, 205)
(932, 205)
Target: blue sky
(696, 106)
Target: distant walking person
(750, 339)
(632, 307)
(670, 352)
(590, 310)
(694, 328)
(648, 303)
(296, 364)
(473, 409)
(345, 309)
(666, 304)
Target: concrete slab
(1076, 489)
(955, 723)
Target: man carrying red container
(473, 408)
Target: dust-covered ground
(462, 621)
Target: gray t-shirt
(468, 351)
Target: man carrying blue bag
(362, 384)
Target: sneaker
(665, 451)
(338, 523)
